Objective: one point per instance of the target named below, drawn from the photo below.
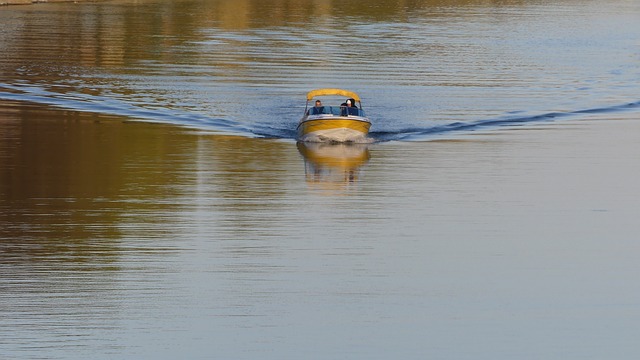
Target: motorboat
(334, 123)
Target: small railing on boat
(336, 111)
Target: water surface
(244, 66)
(154, 203)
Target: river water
(155, 205)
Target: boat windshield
(336, 110)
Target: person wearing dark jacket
(318, 109)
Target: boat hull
(333, 130)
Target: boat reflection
(332, 165)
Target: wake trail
(417, 133)
(194, 119)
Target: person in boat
(318, 108)
(349, 107)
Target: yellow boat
(334, 123)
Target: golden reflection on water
(109, 35)
(73, 185)
(120, 238)
(333, 166)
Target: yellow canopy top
(322, 92)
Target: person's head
(349, 103)
(318, 103)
